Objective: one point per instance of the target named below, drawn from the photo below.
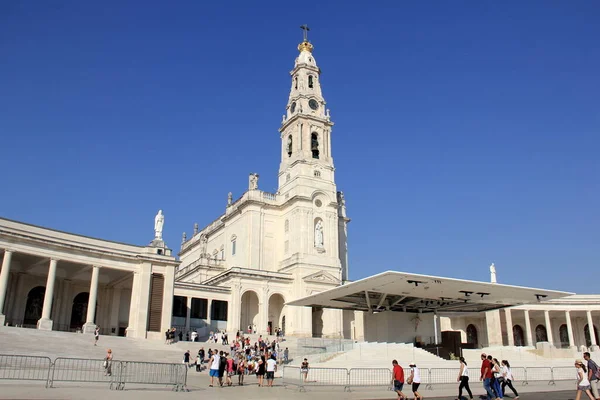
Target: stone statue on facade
(319, 234)
(195, 228)
(183, 238)
(493, 273)
(159, 222)
(341, 199)
(253, 181)
(229, 199)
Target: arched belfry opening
(296, 82)
(289, 145)
(314, 145)
(310, 82)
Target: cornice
(298, 116)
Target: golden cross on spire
(305, 30)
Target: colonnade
(530, 340)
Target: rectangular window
(179, 306)
(233, 248)
(219, 310)
(222, 254)
(199, 308)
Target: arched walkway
(472, 335)
(249, 314)
(276, 304)
(34, 305)
(563, 333)
(588, 338)
(541, 335)
(518, 336)
(79, 310)
(317, 322)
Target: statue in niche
(253, 181)
(289, 145)
(229, 198)
(159, 222)
(319, 234)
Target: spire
(305, 45)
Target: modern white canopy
(400, 291)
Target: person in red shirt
(486, 376)
(398, 379)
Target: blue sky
(467, 132)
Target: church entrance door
(276, 304)
(33, 307)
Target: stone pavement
(198, 386)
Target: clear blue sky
(466, 132)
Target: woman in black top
(261, 370)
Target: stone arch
(317, 322)
(518, 336)
(275, 313)
(79, 310)
(34, 305)
(563, 334)
(249, 310)
(588, 338)
(472, 337)
(541, 334)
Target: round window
(318, 203)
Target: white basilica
(269, 248)
(265, 251)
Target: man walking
(486, 376)
(592, 374)
(398, 379)
(214, 362)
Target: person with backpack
(593, 374)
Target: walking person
(486, 376)
(508, 378)
(271, 368)
(186, 358)
(108, 362)
(498, 378)
(230, 370)
(463, 378)
(96, 335)
(398, 379)
(241, 370)
(415, 380)
(214, 362)
(593, 374)
(286, 356)
(304, 370)
(222, 366)
(583, 383)
(260, 373)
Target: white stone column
(233, 310)
(209, 313)
(90, 325)
(570, 330)
(548, 327)
(590, 322)
(263, 313)
(135, 295)
(528, 335)
(188, 314)
(4, 274)
(509, 327)
(493, 328)
(45, 323)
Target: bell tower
(305, 130)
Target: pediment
(321, 277)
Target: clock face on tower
(293, 107)
(313, 104)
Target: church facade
(266, 249)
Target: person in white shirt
(508, 379)
(271, 368)
(214, 367)
(415, 380)
(583, 383)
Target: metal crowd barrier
(25, 368)
(85, 370)
(115, 373)
(147, 373)
(369, 377)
